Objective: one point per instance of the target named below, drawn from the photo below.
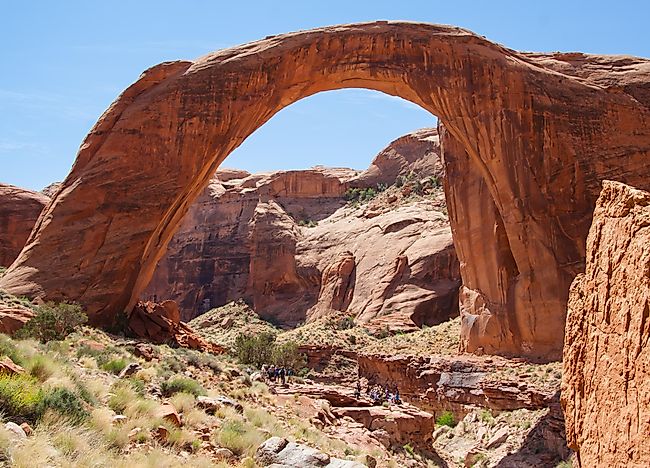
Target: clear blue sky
(63, 63)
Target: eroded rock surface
(606, 384)
(541, 131)
(290, 244)
(19, 210)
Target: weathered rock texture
(606, 383)
(540, 132)
(161, 323)
(246, 238)
(19, 210)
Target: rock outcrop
(161, 324)
(19, 210)
(540, 131)
(606, 383)
(289, 244)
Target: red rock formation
(160, 323)
(606, 383)
(541, 131)
(455, 383)
(19, 210)
(416, 154)
(243, 239)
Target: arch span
(529, 139)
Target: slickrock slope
(606, 383)
(19, 210)
(541, 131)
(417, 152)
(290, 245)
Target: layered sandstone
(539, 132)
(19, 210)
(289, 244)
(606, 383)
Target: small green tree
(254, 350)
(53, 322)
(287, 355)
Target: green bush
(2, 271)
(346, 323)
(255, 350)
(287, 355)
(53, 322)
(21, 397)
(115, 366)
(66, 403)
(446, 419)
(179, 384)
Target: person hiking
(283, 375)
(357, 392)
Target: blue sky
(64, 62)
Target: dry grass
(243, 320)
(440, 339)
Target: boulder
(277, 451)
(169, 413)
(160, 324)
(15, 430)
(129, 370)
(7, 366)
(606, 379)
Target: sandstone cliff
(19, 210)
(290, 244)
(606, 382)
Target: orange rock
(27, 428)
(539, 132)
(151, 321)
(606, 380)
(7, 366)
(19, 210)
(169, 413)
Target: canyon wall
(606, 382)
(541, 131)
(292, 246)
(19, 210)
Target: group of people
(379, 394)
(276, 374)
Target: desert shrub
(41, 367)
(435, 182)
(287, 355)
(66, 403)
(122, 396)
(345, 323)
(180, 384)
(21, 397)
(410, 450)
(446, 419)
(308, 223)
(53, 322)
(254, 350)
(238, 437)
(2, 271)
(381, 187)
(115, 366)
(8, 348)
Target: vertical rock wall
(606, 383)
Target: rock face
(19, 210)
(606, 383)
(160, 323)
(539, 132)
(257, 238)
(415, 153)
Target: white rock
(15, 430)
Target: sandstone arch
(529, 139)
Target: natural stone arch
(529, 137)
